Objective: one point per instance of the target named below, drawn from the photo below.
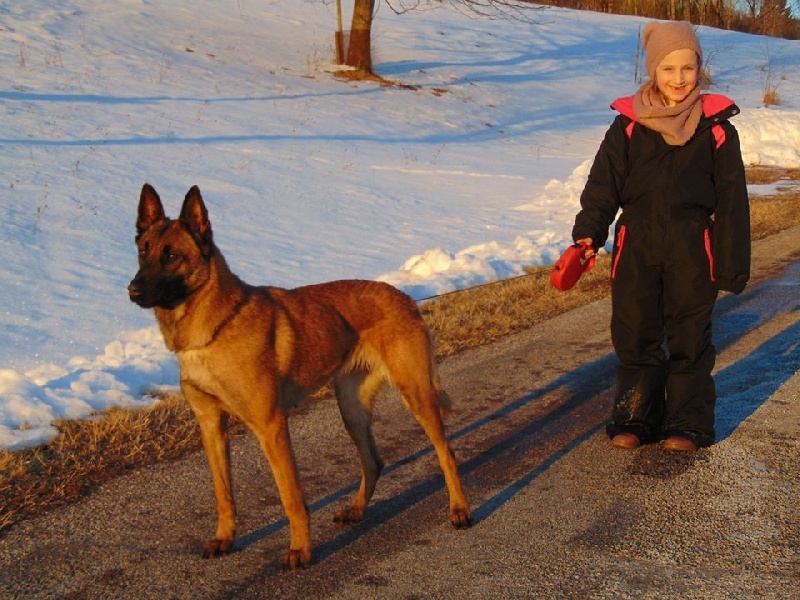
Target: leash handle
(572, 264)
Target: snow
(468, 178)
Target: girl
(671, 161)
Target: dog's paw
(296, 559)
(349, 516)
(216, 548)
(461, 518)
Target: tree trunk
(359, 52)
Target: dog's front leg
(272, 432)
(214, 430)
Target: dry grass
(771, 97)
(479, 316)
(771, 175)
(771, 214)
(87, 453)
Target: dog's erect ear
(150, 209)
(194, 217)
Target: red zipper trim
(620, 243)
(707, 242)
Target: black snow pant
(663, 295)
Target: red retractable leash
(572, 264)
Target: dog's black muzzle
(150, 292)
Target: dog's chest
(199, 370)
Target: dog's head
(174, 254)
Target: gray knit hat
(663, 37)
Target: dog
(255, 352)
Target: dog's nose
(134, 291)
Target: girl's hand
(590, 246)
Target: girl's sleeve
(731, 231)
(601, 196)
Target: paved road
(559, 514)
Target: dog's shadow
(775, 361)
(581, 388)
(377, 513)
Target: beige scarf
(676, 124)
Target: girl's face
(677, 76)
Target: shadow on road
(578, 404)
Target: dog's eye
(168, 256)
(144, 249)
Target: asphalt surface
(559, 513)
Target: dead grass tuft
(88, 453)
(771, 97)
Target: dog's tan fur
(254, 352)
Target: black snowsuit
(684, 234)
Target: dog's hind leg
(412, 372)
(355, 391)
(422, 403)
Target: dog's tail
(442, 397)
